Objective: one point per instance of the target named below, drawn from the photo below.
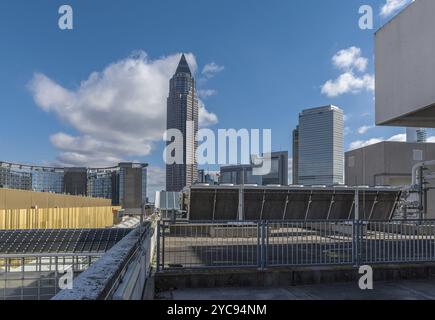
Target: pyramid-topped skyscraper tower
(182, 114)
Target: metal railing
(410, 241)
(267, 244)
(121, 273)
(38, 276)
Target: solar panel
(290, 203)
(59, 241)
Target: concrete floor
(397, 290)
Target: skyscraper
(295, 161)
(416, 135)
(321, 146)
(182, 114)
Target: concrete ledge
(95, 282)
(216, 278)
(149, 290)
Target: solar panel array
(286, 203)
(59, 241)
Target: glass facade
(124, 184)
(47, 180)
(15, 178)
(321, 146)
(100, 184)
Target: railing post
(356, 231)
(158, 245)
(266, 246)
(356, 243)
(259, 245)
(358, 239)
(264, 232)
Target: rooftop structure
(405, 48)
(252, 203)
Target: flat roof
(402, 143)
(296, 188)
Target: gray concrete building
(182, 108)
(320, 156)
(390, 164)
(405, 96)
(405, 82)
(386, 163)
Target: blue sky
(271, 59)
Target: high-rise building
(132, 185)
(321, 146)
(182, 114)
(416, 135)
(295, 161)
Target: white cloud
(361, 144)
(364, 143)
(364, 129)
(350, 62)
(205, 93)
(118, 113)
(350, 58)
(206, 118)
(211, 69)
(348, 83)
(398, 138)
(392, 6)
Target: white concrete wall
(405, 64)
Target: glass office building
(125, 184)
(15, 178)
(321, 146)
(47, 180)
(183, 109)
(100, 183)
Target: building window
(418, 155)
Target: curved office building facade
(125, 184)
